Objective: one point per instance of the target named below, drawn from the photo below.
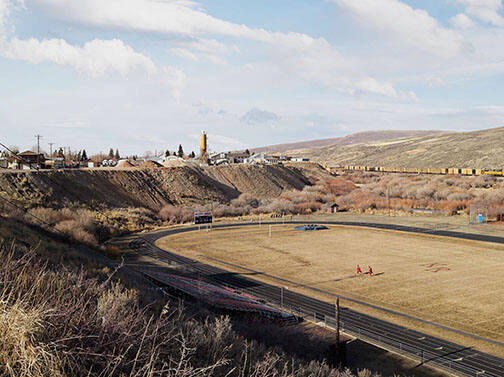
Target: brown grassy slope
(480, 149)
(152, 188)
(357, 138)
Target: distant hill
(360, 137)
(478, 149)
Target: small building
(262, 158)
(237, 157)
(334, 208)
(30, 160)
(300, 159)
(4, 162)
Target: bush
(176, 215)
(64, 323)
(245, 200)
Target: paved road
(426, 348)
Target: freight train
(461, 171)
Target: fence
(286, 300)
(383, 334)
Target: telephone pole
(336, 314)
(50, 147)
(38, 150)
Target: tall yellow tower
(203, 145)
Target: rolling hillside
(357, 138)
(479, 149)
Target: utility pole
(38, 150)
(336, 315)
(50, 147)
(388, 199)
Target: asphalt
(423, 347)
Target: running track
(425, 348)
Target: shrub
(245, 200)
(176, 215)
(63, 323)
(339, 186)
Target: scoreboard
(203, 217)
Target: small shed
(333, 208)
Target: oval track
(427, 349)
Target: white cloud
(224, 142)
(461, 21)
(176, 79)
(95, 58)
(485, 10)
(296, 57)
(168, 16)
(4, 13)
(412, 27)
(371, 85)
(184, 54)
(435, 82)
(211, 46)
(258, 116)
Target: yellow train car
(493, 172)
(468, 171)
(463, 171)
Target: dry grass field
(452, 282)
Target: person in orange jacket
(370, 271)
(359, 271)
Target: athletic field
(452, 282)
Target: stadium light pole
(337, 315)
(282, 296)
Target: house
(262, 158)
(237, 157)
(30, 160)
(334, 208)
(4, 162)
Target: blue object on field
(480, 218)
(310, 227)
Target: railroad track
(425, 348)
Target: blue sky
(143, 75)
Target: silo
(203, 144)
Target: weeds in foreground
(59, 322)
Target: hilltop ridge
(477, 149)
(356, 138)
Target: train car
(468, 171)
(463, 171)
(495, 172)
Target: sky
(147, 75)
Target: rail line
(423, 347)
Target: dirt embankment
(151, 188)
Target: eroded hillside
(151, 188)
